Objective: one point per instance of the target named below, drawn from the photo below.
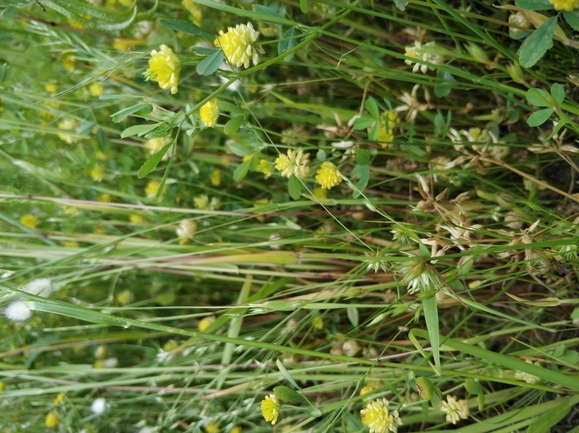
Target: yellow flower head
(195, 11)
(293, 163)
(201, 201)
(565, 5)
(58, 399)
(237, 45)
(152, 188)
(236, 429)
(205, 322)
(209, 113)
(422, 53)
(215, 177)
(378, 418)
(455, 410)
(265, 167)
(68, 125)
(386, 133)
(212, 428)
(164, 67)
(97, 173)
(328, 175)
(29, 221)
(96, 89)
(270, 408)
(125, 297)
(51, 88)
(320, 193)
(125, 45)
(186, 230)
(51, 419)
(155, 144)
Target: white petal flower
(98, 406)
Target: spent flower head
(422, 53)
(455, 410)
(238, 45)
(164, 67)
(379, 419)
(296, 164)
(270, 408)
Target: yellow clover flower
(455, 410)
(293, 163)
(164, 67)
(68, 125)
(378, 418)
(209, 113)
(29, 221)
(386, 132)
(51, 419)
(328, 175)
(96, 89)
(270, 408)
(195, 11)
(237, 45)
(565, 5)
(205, 323)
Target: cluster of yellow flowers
(565, 5)
(298, 164)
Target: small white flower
(98, 406)
(17, 311)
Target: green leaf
(92, 16)
(444, 84)
(187, 27)
(353, 316)
(287, 42)
(240, 149)
(537, 97)
(570, 357)
(120, 115)
(241, 170)
(534, 5)
(164, 179)
(233, 125)
(9, 12)
(304, 6)
(539, 117)
(572, 18)
(363, 173)
(473, 387)
(15, 3)
(163, 130)
(285, 373)
(211, 63)
(285, 393)
(203, 51)
(372, 107)
(550, 418)
(363, 157)
(152, 163)
(294, 187)
(4, 72)
(139, 130)
(363, 123)
(537, 44)
(374, 132)
(558, 93)
(268, 10)
(431, 318)
(102, 138)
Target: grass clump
(317, 216)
